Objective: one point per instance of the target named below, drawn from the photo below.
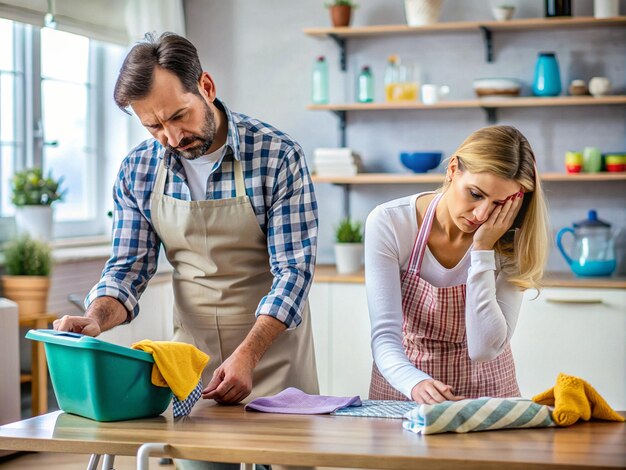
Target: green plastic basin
(100, 380)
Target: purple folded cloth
(294, 401)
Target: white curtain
(159, 16)
(116, 21)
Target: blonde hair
(503, 151)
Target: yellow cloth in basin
(176, 365)
(573, 398)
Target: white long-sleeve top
(492, 303)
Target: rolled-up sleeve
(135, 249)
(292, 240)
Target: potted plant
(27, 264)
(341, 12)
(33, 195)
(349, 246)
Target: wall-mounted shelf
(486, 28)
(437, 178)
(489, 105)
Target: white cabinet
(341, 329)
(154, 320)
(562, 331)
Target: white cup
(432, 94)
(599, 86)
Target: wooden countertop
(230, 434)
(328, 273)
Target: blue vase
(547, 81)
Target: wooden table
(230, 434)
(39, 367)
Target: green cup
(592, 160)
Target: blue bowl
(420, 162)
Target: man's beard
(204, 141)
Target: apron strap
(159, 185)
(421, 241)
(240, 187)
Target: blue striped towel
(479, 414)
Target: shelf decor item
(341, 12)
(503, 12)
(558, 8)
(422, 12)
(319, 82)
(349, 246)
(33, 196)
(605, 8)
(420, 162)
(27, 264)
(547, 80)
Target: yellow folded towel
(176, 365)
(573, 398)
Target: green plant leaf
(349, 231)
(30, 187)
(27, 257)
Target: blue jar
(547, 81)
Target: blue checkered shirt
(281, 192)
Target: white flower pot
(605, 8)
(422, 12)
(35, 221)
(348, 257)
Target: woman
(445, 274)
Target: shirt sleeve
(384, 300)
(291, 240)
(135, 250)
(492, 307)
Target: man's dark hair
(170, 52)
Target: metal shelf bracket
(342, 116)
(341, 42)
(488, 37)
(492, 115)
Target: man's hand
(499, 221)
(232, 380)
(76, 324)
(103, 314)
(432, 391)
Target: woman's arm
(492, 307)
(384, 298)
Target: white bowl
(497, 87)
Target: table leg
(247, 466)
(39, 374)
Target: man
(231, 200)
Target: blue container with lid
(547, 80)
(100, 380)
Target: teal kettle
(593, 250)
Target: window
(57, 113)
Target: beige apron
(221, 273)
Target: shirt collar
(232, 137)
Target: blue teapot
(594, 251)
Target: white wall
(261, 62)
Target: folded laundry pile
(479, 414)
(178, 366)
(294, 401)
(341, 161)
(573, 398)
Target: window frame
(27, 45)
